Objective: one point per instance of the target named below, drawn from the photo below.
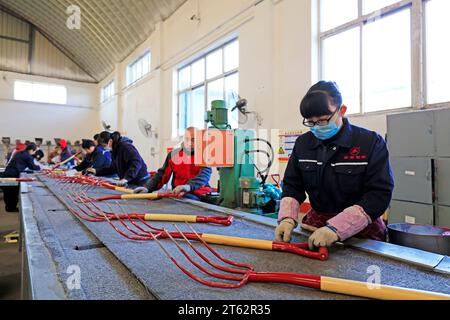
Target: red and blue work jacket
(182, 167)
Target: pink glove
(349, 222)
(289, 208)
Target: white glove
(182, 188)
(122, 183)
(141, 190)
(91, 171)
(323, 237)
(284, 230)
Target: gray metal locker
(442, 132)
(409, 212)
(413, 179)
(443, 181)
(443, 217)
(411, 134)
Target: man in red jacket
(187, 177)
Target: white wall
(278, 64)
(27, 120)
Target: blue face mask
(325, 132)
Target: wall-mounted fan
(146, 128)
(106, 126)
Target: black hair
(96, 136)
(104, 137)
(31, 146)
(38, 155)
(318, 99)
(86, 144)
(116, 137)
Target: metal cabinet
(411, 134)
(442, 118)
(443, 181)
(409, 212)
(443, 217)
(413, 179)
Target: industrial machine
(233, 153)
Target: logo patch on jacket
(355, 153)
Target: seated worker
(63, 151)
(19, 163)
(344, 170)
(126, 162)
(187, 177)
(96, 157)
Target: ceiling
(110, 29)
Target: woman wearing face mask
(344, 170)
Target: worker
(19, 163)
(187, 178)
(19, 147)
(61, 153)
(127, 163)
(96, 156)
(343, 168)
(96, 136)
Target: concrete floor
(10, 257)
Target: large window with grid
(213, 76)
(108, 91)
(138, 69)
(40, 92)
(386, 54)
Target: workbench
(114, 267)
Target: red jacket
(184, 171)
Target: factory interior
(224, 150)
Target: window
(40, 92)
(368, 54)
(437, 51)
(138, 69)
(108, 91)
(376, 61)
(213, 76)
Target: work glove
(323, 237)
(141, 190)
(122, 183)
(182, 189)
(91, 171)
(284, 230)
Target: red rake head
(238, 277)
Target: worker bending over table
(19, 162)
(96, 155)
(344, 170)
(126, 162)
(187, 177)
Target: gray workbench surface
(55, 239)
(150, 266)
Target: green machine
(239, 187)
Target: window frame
(47, 84)
(130, 68)
(419, 97)
(104, 93)
(206, 82)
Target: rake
(17, 179)
(96, 214)
(141, 196)
(147, 232)
(239, 274)
(67, 160)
